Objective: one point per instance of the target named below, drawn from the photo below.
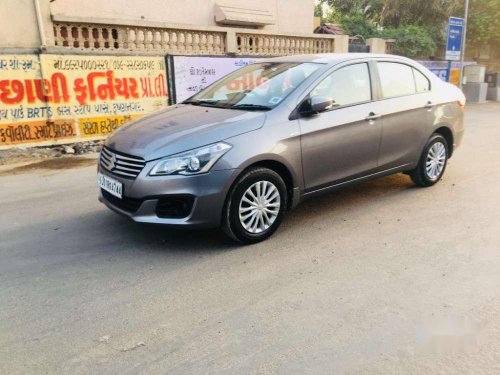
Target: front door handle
(372, 117)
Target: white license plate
(110, 185)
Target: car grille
(123, 165)
(126, 204)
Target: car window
(422, 84)
(346, 86)
(396, 79)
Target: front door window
(347, 86)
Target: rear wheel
(255, 206)
(432, 162)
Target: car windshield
(260, 86)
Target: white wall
(293, 16)
(18, 26)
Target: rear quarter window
(422, 83)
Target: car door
(408, 113)
(343, 142)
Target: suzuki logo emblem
(112, 162)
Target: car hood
(180, 128)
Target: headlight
(191, 162)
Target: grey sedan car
(256, 143)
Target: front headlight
(196, 161)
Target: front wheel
(255, 206)
(432, 162)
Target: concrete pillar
(341, 44)
(231, 44)
(377, 45)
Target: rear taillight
(461, 103)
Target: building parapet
(105, 35)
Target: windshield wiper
(202, 102)
(249, 106)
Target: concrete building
(198, 27)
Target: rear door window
(396, 79)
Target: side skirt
(386, 172)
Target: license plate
(110, 185)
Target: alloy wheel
(259, 207)
(436, 160)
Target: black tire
(231, 223)
(419, 175)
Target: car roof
(335, 58)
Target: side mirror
(316, 104)
(321, 104)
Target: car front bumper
(209, 191)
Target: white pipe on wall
(38, 12)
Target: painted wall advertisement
(50, 98)
(193, 74)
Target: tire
(241, 206)
(428, 172)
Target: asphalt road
(381, 278)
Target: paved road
(382, 278)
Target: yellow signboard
(36, 131)
(103, 92)
(24, 113)
(52, 97)
(95, 126)
(455, 76)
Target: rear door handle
(372, 116)
(429, 105)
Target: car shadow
(101, 230)
(387, 186)
(344, 201)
